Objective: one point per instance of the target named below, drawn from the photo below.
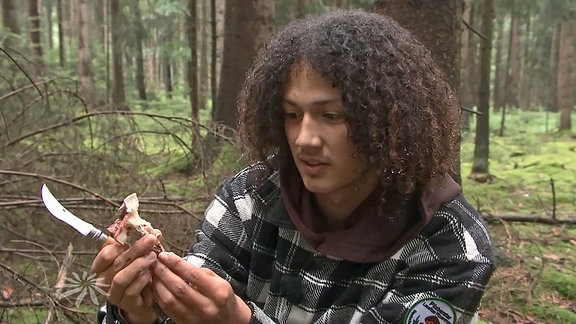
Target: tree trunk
(35, 38)
(71, 24)
(87, 88)
(10, 22)
(302, 8)
(152, 66)
(526, 92)
(437, 24)
(203, 59)
(118, 95)
(140, 78)
(191, 33)
(498, 84)
(61, 39)
(513, 68)
(480, 166)
(247, 28)
(49, 28)
(218, 7)
(565, 82)
(554, 59)
(167, 70)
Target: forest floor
(531, 177)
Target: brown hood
(369, 235)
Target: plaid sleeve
(450, 260)
(223, 239)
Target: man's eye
(333, 116)
(290, 114)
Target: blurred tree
(565, 74)
(10, 21)
(87, 86)
(118, 93)
(247, 28)
(511, 98)
(35, 36)
(140, 33)
(61, 40)
(437, 24)
(192, 70)
(480, 165)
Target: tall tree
(513, 61)
(192, 75)
(49, 24)
(118, 93)
(497, 93)
(140, 36)
(10, 22)
(565, 74)
(469, 61)
(87, 87)
(247, 28)
(437, 24)
(35, 36)
(480, 165)
(217, 9)
(61, 40)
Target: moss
(563, 283)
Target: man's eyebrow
(318, 102)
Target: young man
(349, 217)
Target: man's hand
(190, 294)
(127, 272)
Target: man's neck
(338, 206)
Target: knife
(60, 212)
(86, 229)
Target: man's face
(317, 134)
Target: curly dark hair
(399, 109)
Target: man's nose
(309, 133)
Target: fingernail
(151, 256)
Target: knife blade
(63, 214)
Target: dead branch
(74, 120)
(473, 30)
(33, 303)
(34, 84)
(34, 251)
(529, 219)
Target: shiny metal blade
(60, 212)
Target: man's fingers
(106, 257)
(141, 247)
(172, 305)
(193, 275)
(137, 273)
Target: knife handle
(101, 237)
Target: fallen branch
(529, 219)
(32, 303)
(12, 250)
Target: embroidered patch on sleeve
(431, 311)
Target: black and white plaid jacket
(248, 238)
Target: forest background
(103, 98)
